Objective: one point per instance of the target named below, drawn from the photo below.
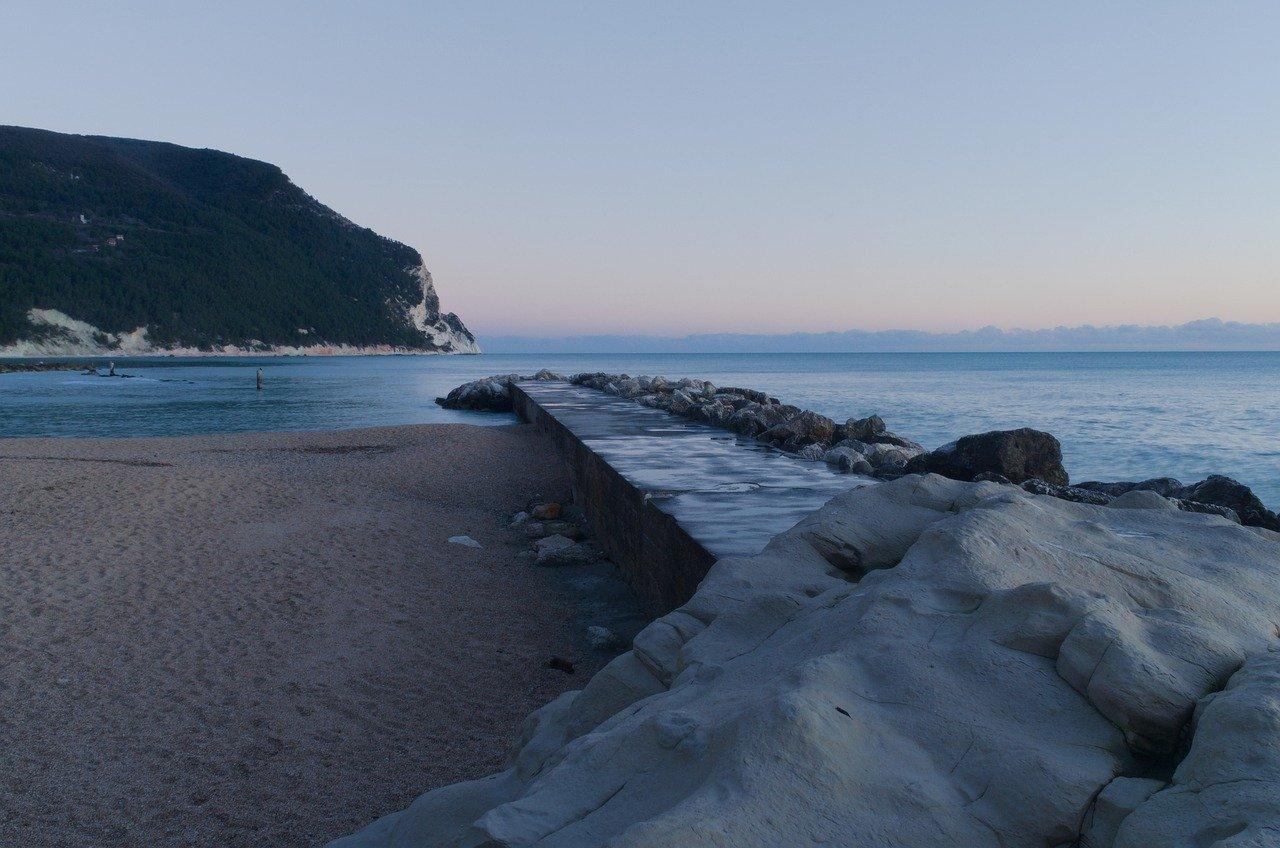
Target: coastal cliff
(127, 247)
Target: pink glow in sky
(673, 168)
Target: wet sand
(265, 639)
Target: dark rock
(1019, 455)
(1067, 493)
(546, 511)
(1164, 486)
(865, 429)
(1234, 495)
(559, 664)
(750, 394)
(872, 430)
(491, 394)
(804, 428)
(1206, 508)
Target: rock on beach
(922, 662)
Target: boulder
(885, 458)
(801, 429)
(681, 403)
(1019, 455)
(847, 459)
(919, 663)
(813, 453)
(1066, 493)
(872, 430)
(1164, 486)
(491, 394)
(865, 429)
(1206, 509)
(750, 394)
(1234, 495)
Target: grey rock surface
(490, 394)
(926, 662)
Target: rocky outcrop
(1215, 494)
(1016, 455)
(1231, 494)
(490, 394)
(923, 662)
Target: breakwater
(668, 497)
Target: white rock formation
(924, 662)
(69, 336)
(440, 331)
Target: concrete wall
(663, 564)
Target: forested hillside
(202, 248)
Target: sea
(1119, 416)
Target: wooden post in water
(112, 372)
(259, 379)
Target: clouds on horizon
(1203, 334)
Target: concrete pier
(667, 496)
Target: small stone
(552, 543)
(546, 511)
(603, 639)
(572, 554)
(559, 664)
(519, 518)
(465, 541)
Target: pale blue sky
(671, 168)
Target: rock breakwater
(1026, 457)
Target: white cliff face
(920, 663)
(67, 336)
(455, 339)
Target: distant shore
(263, 639)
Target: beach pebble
(547, 511)
(559, 664)
(603, 639)
(519, 518)
(465, 541)
(552, 543)
(561, 550)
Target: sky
(672, 168)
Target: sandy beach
(266, 639)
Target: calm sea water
(1119, 415)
